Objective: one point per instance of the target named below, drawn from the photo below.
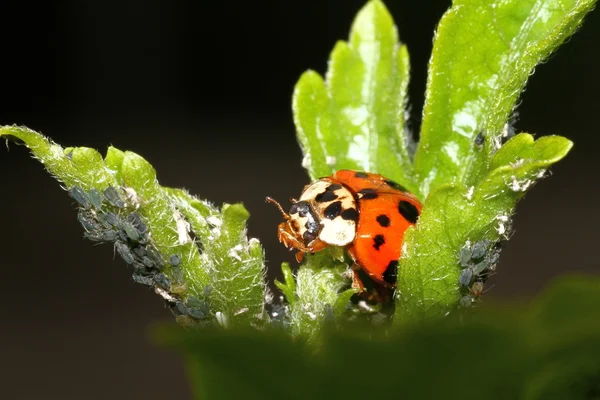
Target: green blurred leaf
(561, 314)
(355, 119)
(454, 216)
(565, 337)
(484, 51)
(494, 354)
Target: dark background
(202, 90)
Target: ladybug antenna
(273, 201)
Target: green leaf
(503, 343)
(237, 274)
(319, 282)
(288, 286)
(484, 51)
(355, 120)
(163, 219)
(114, 161)
(520, 162)
(194, 255)
(234, 264)
(80, 166)
(455, 217)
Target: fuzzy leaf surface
(484, 51)
(355, 118)
(453, 215)
(196, 256)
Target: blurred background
(202, 90)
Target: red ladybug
(364, 212)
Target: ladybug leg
(290, 240)
(356, 281)
(313, 247)
(316, 245)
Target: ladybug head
(301, 227)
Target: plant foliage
(469, 170)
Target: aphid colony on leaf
(364, 212)
(478, 261)
(107, 218)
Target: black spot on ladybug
(350, 214)
(408, 211)
(378, 241)
(333, 187)
(395, 185)
(391, 272)
(361, 175)
(294, 208)
(326, 196)
(333, 210)
(368, 194)
(383, 220)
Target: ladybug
(364, 212)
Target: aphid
(112, 196)
(479, 267)
(477, 289)
(466, 301)
(162, 281)
(112, 219)
(148, 262)
(144, 280)
(480, 249)
(196, 308)
(466, 275)
(88, 222)
(207, 291)
(78, 194)
(175, 259)
(124, 252)
(177, 275)
(101, 236)
(479, 139)
(140, 252)
(465, 255)
(136, 221)
(95, 198)
(155, 256)
(130, 231)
